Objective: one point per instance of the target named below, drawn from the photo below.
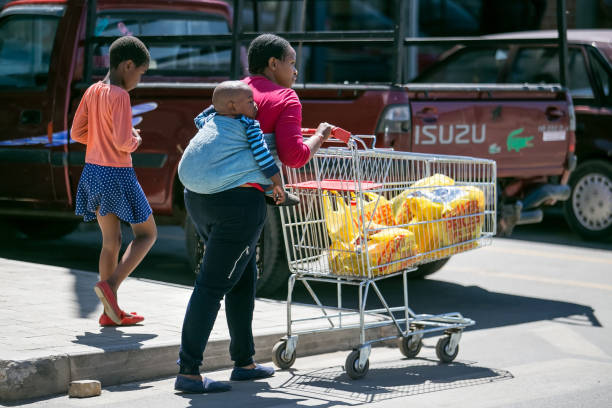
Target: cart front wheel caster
(409, 346)
(278, 356)
(443, 352)
(352, 366)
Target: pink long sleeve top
(280, 112)
(103, 121)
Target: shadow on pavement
(331, 386)
(80, 251)
(112, 338)
(83, 290)
(489, 309)
(554, 230)
(167, 260)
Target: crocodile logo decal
(515, 142)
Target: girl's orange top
(103, 121)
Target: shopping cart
(368, 214)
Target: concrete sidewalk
(50, 333)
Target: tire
(428, 269)
(441, 351)
(277, 356)
(46, 229)
(407, 349)
(350, 366)
(194, 245)
(589, 208)
(273, 271)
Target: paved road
(541, 301)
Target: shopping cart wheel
(352, 366)
(442, 350)
(410, 346)
(278, 357)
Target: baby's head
(231, 98)
(129, 59)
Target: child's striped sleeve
(259, 148)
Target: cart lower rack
(372, 214)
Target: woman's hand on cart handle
(336, 132)
(318, 138)
(324, 130)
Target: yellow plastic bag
(401, 206)
(437, 180)
(428, 234)
(446, 252)
(464, 227)
(344, 222)
(340, 219)
(377, 209)
(441, 216)
(388, 245)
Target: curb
(41, 377)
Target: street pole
(562, 34)
(399, 35)
(236, 43)
(413, 31)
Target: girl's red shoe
(127, 319)
(108, 299)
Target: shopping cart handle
(336, 132)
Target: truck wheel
(428, 268)
(589, 208)
(194, 245)
(46, 229)
(272, 266)
(270, 252)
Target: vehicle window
(364, 63)
(541, 65)
(436, 17)
(26, 42)
(469, 66)
(167, 59)
(602, 76)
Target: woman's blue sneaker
(187, 385)
(243, 374)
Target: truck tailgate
(527, 133)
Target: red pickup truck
(589, 209)
(44, 69)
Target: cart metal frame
(306, 242)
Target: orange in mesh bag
(391, 244)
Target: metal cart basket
(368, 214)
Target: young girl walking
(108, 189)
